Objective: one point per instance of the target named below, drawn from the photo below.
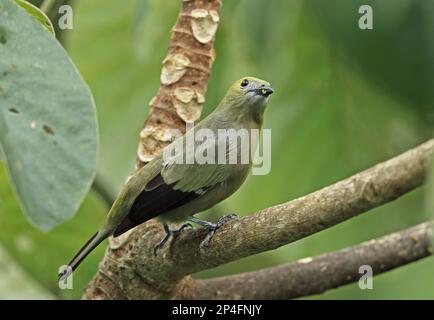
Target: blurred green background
(344, 100)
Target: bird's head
(248, 98)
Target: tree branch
(316, 275)
(136, 273)
(102, 188)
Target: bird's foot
(171, 233)
(222, 220)
(212, 228)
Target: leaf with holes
(47, 120)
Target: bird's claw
(185, 226)
(212, 228)
(171, 233)
(222, 220)
(161, 244)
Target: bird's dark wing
(176, 185)
(197, 178)
(155, 199)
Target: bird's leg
(212, 227)
(163, 241)
(170, 233)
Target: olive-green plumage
(173, 190)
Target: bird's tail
(91, 244)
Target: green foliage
(47, 120)
(397, 55)
(16, 284)
(41, 254)
(119, 53)
(429, 196)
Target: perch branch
(316, 275)
(133, 272)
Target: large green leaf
(37, 14)
(47, 120)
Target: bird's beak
(264, 91)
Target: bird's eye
(244, 83)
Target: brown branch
(136, 273)
(316, 275)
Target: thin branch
(316, 275)
(139, 274)
(103, 189)
(48, 6)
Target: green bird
(173, 189)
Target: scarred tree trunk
(184, 77)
